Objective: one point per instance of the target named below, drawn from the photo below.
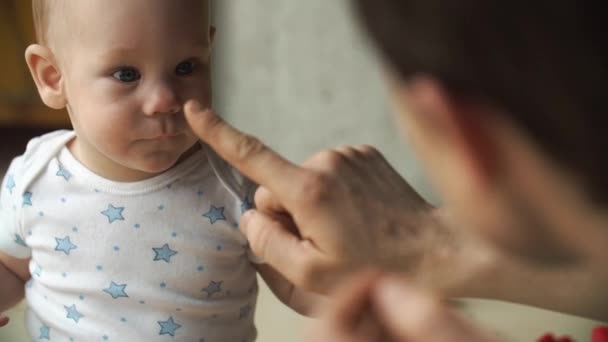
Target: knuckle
(332, 159)
(210, 126)
(248, 146)
(346, 150)
(368, 150)
(214, 122)
(315, 188)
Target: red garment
(550, 338)
(600, 334)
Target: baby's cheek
(201, 91)
(113, 141)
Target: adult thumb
(273, 241)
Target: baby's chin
(159, 162)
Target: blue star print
(245, 311)
(72, 313)
(27, 199)
(65, 245)
(63, 173)
(113, 213)
(10, 183)
(213, 288)
(45, 333)
(164, 253)
(116, 290)
(37, 271)
(168, 327)
(19, 240)
(215, 214)
(246, 205)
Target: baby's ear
(46, 75)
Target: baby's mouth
(166, 136)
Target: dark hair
(545, 63)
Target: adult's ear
(455, 125)
(47, 75)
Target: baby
(126, 229)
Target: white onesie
(156, 260)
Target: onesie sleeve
(12, 240)
(242, 188)
(248, 189)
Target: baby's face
(129, 67)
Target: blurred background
(300, 75)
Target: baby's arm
(302, 302)
(14, 273)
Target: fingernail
(194, 106)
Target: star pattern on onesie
(213, 288)
(246, 205)
(19, 240)
(164, 253)
(168, 327)
(65, 245)
(45, 333)
(72, 313)
(10, 183)
(116, 290)
(63, 173)
(37, 271)
(215, 214)
(245, 311)
(27, 199)
(113, 213)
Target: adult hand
(372, 307)
(340, 211)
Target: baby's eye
(185, 68)
(127, 75)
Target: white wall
(299, 75)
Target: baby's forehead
(108, 21)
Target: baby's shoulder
(241, 187)
(25, 168)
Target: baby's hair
(41, 10)
(44, 12)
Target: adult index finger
(245, 152)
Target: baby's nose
(162, 100)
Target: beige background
(298, 74)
